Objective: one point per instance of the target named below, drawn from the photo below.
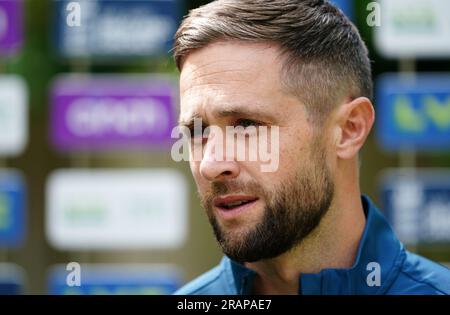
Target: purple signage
(111, 112)
(10, 26)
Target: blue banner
(413, 111)
(98, 279)
(417, 204)
(115, 28)
(12, 208)
(12, 279)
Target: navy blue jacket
(382, 266)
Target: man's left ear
(354, 122)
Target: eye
(247, 123)
(198, 132)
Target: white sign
(414, 28)
(13, 115)
(116, 209)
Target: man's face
(255, 215)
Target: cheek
(203, 185)
(294, 151)
(195, 170)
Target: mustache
(230, 187)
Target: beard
(292, 211)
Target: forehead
(226, 75)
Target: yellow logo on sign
(432, 111)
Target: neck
(333, 244)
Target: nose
(216, 165)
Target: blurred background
(88, 99)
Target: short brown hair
(325, 58)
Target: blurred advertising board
(115, 29)
(116, 209)
(114, 279)
(11, 28)
(12, 208)
(12, 279)
(413, 112)
(13, 115)
(417, 204)
(112, 112)
(413, 28)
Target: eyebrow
(190, 121)
(230, 112)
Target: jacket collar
(378, 250)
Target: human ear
(354, 122)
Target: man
(299, 66)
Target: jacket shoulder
(212, 282)
(419, 275)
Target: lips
(233, 202)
